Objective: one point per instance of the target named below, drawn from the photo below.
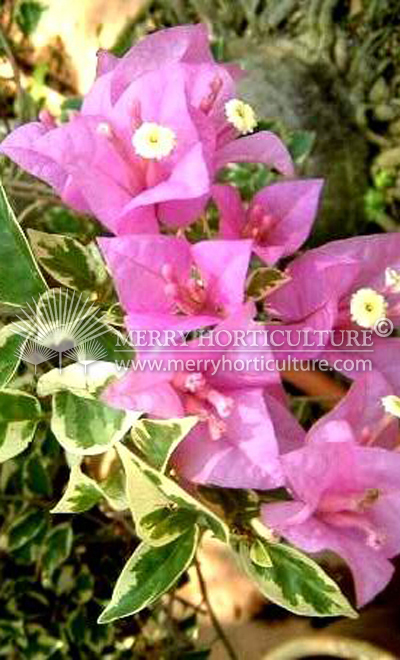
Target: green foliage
(74, 379)
(10, 346)
(152, 496)
(262, 280)
(293, 580)
(69, 262)
(57, 548)
(19, 416)
(259, 554)
(380, 198)
(157, 440)
(36, 477)
(82, 493)
(86, 426)
(69, 106)
(20, 278)
(148, 574)
(300, 144)
(28, 16)
(25, 528)
(57, 574)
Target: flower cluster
(143, 156)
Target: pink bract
(278, 219)
(170, 79)
(241, 414)
(318, 292)
(345, 489)
(166, 282)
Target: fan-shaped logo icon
(61, 323)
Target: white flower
(391, 404)
(241, 115)
(153, 141)
(367, 306)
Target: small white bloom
(153, 141)
(241, 115)
(391, 404)
(367, 306)
(104, 129)
(392, 279)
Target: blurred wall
(84, 26)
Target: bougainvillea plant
(176, 383)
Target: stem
(217, 626)
(30, 186)
(188, 604)
(29, 209)
(10, 16)
(17, 76)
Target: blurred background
(325, 74)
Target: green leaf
(42, 645)
(69, 262)
(263, 280)
(158, 521)
(162, 526)
(300, 145)
(10, 347)
(58, 545)
(114, 488)
(12, 630)
(74, 378)
(29, 15)
(84, 585)
(82, 493)
(72, 103)
(148, 574)
(19, 416)
(25, 528)
(36, 476)
(87, 427)
(77, 626)
(149, 490)
(259, 554)
(20, 278)
(144, 498)
(296, 582)
(157, 440)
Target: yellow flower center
(241, 115)
(367, 306)
(392, 279)
(391, 404)
(153, 141)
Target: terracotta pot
(331, 646)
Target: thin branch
(10, 15)
(214, 620)
(30, 186)
(10, 56)
(188, 604)
(37, 204)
